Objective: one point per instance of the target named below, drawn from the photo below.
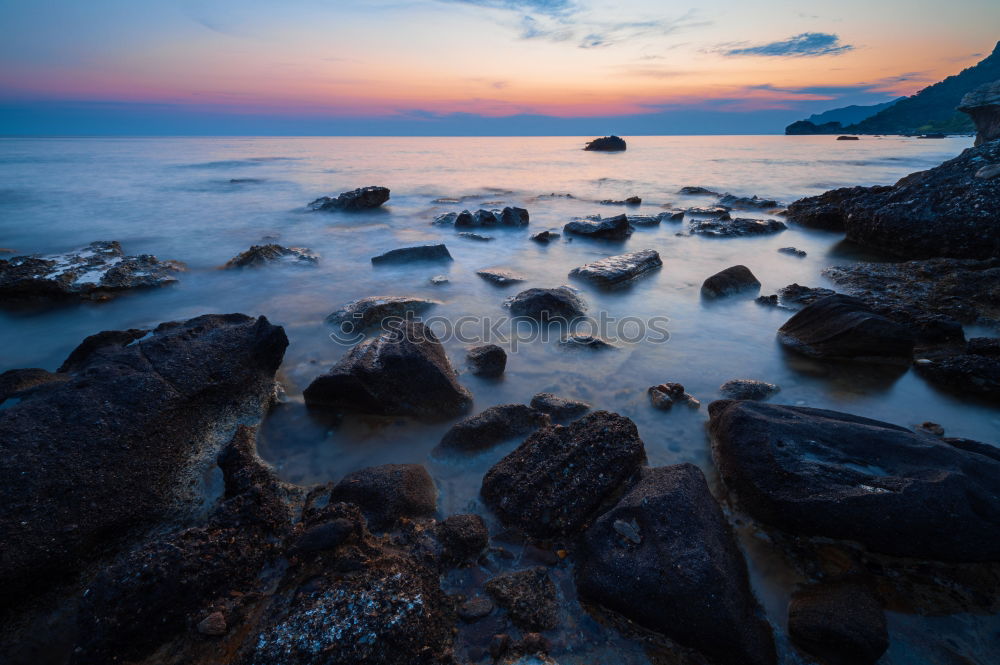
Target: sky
(468, 67)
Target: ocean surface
(204, 200)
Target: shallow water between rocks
(202, 201)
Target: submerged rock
(560, 476)
(608, 228)
(99, 270)
(487, 360)
(842, 623)
(167, 398)
(665, 557)
(747, 389)
(730, 281)
(733, 201)
(585, 341)
(617, 269)
(559, 408)
(359, 315)
(545, 236)
(475, 236)
(844, 328)
(793, 251)
(417, 253)
(404, 371)
(630, 201)
(740, 226)
(547, 304)
(823, 473)
(494, 425)
(983, 106)
(388, 492)
(529, 596)
(697, 190)
(362, 198)
(499, 276)
(259, 255)
(607, 144)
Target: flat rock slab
(824, 473)
(609, 228)
(494, 425)
(740, 226)
(416, 253)
(261, 255)
(617, 269)
(554, 482)
(98, 270)
(364, 313)
(500, 276)
(844, 328)
(404, 371)
(363, 198)
(111, 448)
(558, 407)
(666, 558)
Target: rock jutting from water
(618, 269)
(404, 371)
(740, 226)
(96, 271)
(560, 303)
(665, 395)
(630, 201)
(608, 228)
(509, 216)
(835, 475)
(559, 408)
(492, 426)
(545, 237)
(606, 144)
(363, 198)
(436, 252)
(487, 360)
(500, 276)
(261, 255)
(732, 280)
(752, 202)
(359, 315)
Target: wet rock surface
(617, 269)
(363, 198)
(529, 596)
(260, 255)
(665, 395)
(500, 276)
(740, 226)
(492, 426)
(388, 492)
(607, 144)
(584, 341)
(359, 315)
(417, 253)
(560, 409)
(732, 280)
(463, 537)
(560, 476)
(824, 473)
(840, 622)
(487, 360)
(826, 211)
(545, 237)
(404, 371)
(751, 202)
(842, 327)
(97, 271)
(17, 383)
(71, 486)
(966, 374)
(547, 304)
(747, 389)
(607, 228)
(665, 557)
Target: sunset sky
(468, 66)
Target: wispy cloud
(808, 44)
(546, 7)
(603, 35)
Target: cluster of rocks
(509, 216)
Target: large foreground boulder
(666, 558)
(362, 198)
(983, 106)
(560, 476)
(403, 372)
(607, 144)
(96, 271)
(618, 269)
(116, 446)
(844, 328)
(823, 473)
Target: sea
(204, 200)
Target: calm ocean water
(174, 198)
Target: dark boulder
(545, 237)
(747, 389)
(15, 383)
(792, 251)
(980, 346)
(97, 271)
(740, 226)
(694, 190)
(826, 211)
(665, 557)
(840, 622)
(608, 228)
(529, 596)
(560, 409)
(585, 341)
(388, 492)
(844, 328)
(617, 269)
(732, 280)
(983, 106)
(560, 476)
(115, 447)
(547, 304)
(417, 253)
(964, 374)
(509, 216)
(363, 198)
(752, 202)
(514, 216)
(260, 255)
(359, 315)
(488, 360)
(848, 138)
(463, 537)
(606, 144)
(665, 395)
(494, 425)
(823, 473)
(404, 371)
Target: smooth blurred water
(172, 197)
